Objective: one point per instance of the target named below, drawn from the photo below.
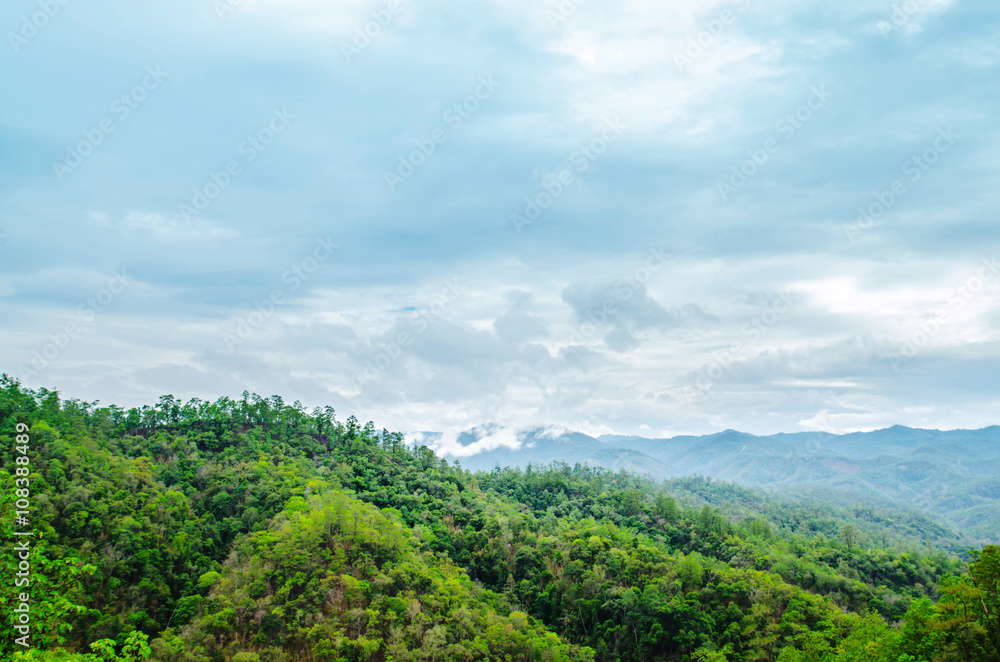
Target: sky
(628, 217)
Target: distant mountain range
(953, 474)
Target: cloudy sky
(613, 215)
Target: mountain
(251, 530)
(953, 475)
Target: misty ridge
(953, 476)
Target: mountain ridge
(951, 474)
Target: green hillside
(251, 530)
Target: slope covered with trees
(253, 530)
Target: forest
(254, 530)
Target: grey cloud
(422, 359)
(627, 308)
(517, 324)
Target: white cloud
(167, 228)
(448, 442)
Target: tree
(848, 534)
(984, 573)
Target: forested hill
(952, 475)
(251, 530)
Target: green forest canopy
(253, 530)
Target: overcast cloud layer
(609, 216)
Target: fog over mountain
(952, 474)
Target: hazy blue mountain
(954, 474)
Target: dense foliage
(253, 530)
